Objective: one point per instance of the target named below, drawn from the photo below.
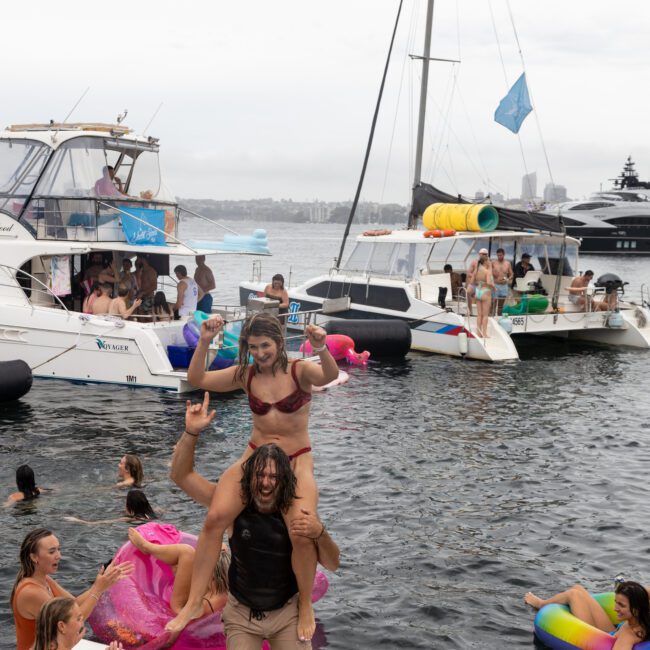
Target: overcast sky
(275, 99)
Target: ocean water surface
(451, 486)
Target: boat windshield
(102, 167)
(398, 260)
(21, 162)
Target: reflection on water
(452, 486)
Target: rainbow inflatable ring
(136, 609)
(557, 627)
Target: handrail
(128, 214)
(214, 223)
(47, 291)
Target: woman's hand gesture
(316, 335)
(107, 577)
(197, 416)
(211, 327)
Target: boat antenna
(152, 118)
(370, 139)
(122, 117)
(65, 119)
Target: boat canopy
(424, 195)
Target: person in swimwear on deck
(483, 282)
(279, 393)
(632, 606)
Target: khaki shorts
(278, 627)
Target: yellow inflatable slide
(473, 217)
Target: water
(451, 486)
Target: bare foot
(138, 541)
(306, 622)
(177, 625)
(531, 599)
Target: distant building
(554, 193)
(529, 186)
(497, 198)
(318, 212)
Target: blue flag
(515, 106)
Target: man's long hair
(286, 481)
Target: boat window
(449, 250)
(393, 298)
(21, 162)
(592, 205)
(384, 256)
(79, 168)
(358, 260)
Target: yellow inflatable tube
(474, 217)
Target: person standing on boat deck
(188, 293)
(454, 279)
(578, 289)
(502, 273)
(279, 395)
(470, 288)
(522, 267)
(483, 282)
(89, 300)
(276, 291)
(147, 282)
(102, 305)
(266, 484)
(128, 278)
(204, 277)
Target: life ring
(136, 609)
(341, 347)
(376, 233)
(557, 627)
(449, 232)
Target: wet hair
(286, 479)
(500, 250)
(133, 466)
(279, 277)
(639, 604)
(220, 573)
(26, 483)
(160, 300)
(138, 506)
(180, 269)
(27, 548)
(261, 324)
(47, 622)
(447, 268)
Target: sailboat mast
(417, 175)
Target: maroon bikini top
(288, 404)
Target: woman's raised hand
(316, 335)
(107, 577)
(211, 327)
(197, 416)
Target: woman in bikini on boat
(484, 283)
(279, 393)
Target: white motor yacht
(69, 191)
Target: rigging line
(530, 95)
(370, 138)
(448, 100)
(409, 41)
(505, 74)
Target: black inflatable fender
(386, 337)
(15, 380)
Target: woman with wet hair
(40, 555)
(631, 604)
(161, 309)
(276, 291)
(279, 396)
(26, 484)
(130, 471)
(137, 509)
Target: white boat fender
(462, 343)
(506, 324)
(615, 319)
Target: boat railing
(645, 296)
(40, 290)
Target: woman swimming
(40, 554)
(279, 395)
(130, 472)
(26, 484)
(137, 508)
(631, 604)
